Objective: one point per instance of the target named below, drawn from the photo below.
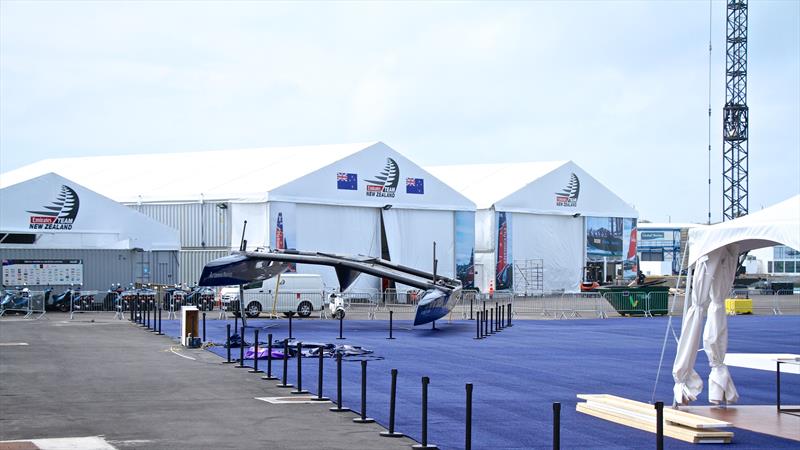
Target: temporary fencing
(31, 303)
(768, 301)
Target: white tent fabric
(713, 257)
(85, 219)
(558, 241)
(409, 231)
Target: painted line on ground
(13, 344)
(172, 349)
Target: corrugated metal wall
(192, 262)
(101, 268)
(201, 225)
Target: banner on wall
(604, 238)
(283, 228)
(504, 271)
(465, 248)
(629, 265)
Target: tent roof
(777, 225)
(190, 176)
(486, 184)
(533, 187)
(94, 221)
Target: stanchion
(392, 400)
(147, 314)
(269, 376)
(478, 326)
(284, 384)
(159, 322)
(319, 397)
(468, 420)
(130, 309)
(556, 425)
(424, 444)
(290, 325)
(255, 354)
(491, 321)
(299, 389)
(338, 407)
(502, 316)
(341, 327)
(141, 314)
(509, 315)
(155, 319)
(228, 344)
(204, 327)
(659, 425)
(363, 418)
(241, 350)
(390, 325)
(471, 301)
(485, 323)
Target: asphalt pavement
(96, 376)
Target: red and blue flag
(347, 181)
(415, 186)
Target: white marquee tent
(713, 258)
(544, 206)
(334, 198)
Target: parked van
(297, 293)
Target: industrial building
(55, 232)
(354, 198)
(540, 226)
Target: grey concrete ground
(83, 378)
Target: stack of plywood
(677, 424)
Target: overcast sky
(621, 88)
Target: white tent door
(558, 241)
(257, 233)
(338, 229)
(410, 234)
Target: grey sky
(621, 88)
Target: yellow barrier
(734, 306)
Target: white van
(297, 293)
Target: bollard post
(299, 389)
(255, 351)
(468, 420)
(290, 325)
(269, 376)
(338, 407)
(159, 322)
(659, 425)
(363, 418)
(155, 319)
(471, 300)
(235, 322)
(147, 314)
(392, 401)
(424, 444)
(390, 324)
(478, 326)
(130, 309)
(485, 323)
(204, 327)
(228, 344)
(241, 350)
(502, 316)
(319, 397)
(509, 315)
(340, 328)
(556, 426)
(284, 384)
(491, 321)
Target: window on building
(769, 267)
(778, 266)
(17, 238)
(789, 266)
(652, 255)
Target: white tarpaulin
(338, 229)
(64, 214)
(410, 232)
(713, 258)
(558, 241)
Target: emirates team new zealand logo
(569, 196)
(60, 215)
(385, 184)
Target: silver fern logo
(569, 195)
(385, 183)
(60, 214)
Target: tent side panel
(193, 261)
(201, 225)
(558, 241)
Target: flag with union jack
(347, 181)
(415, 186)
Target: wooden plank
(670, 415)
(674, 431)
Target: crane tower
(735, 199)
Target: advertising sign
(283, 228)
(465, 248)
(42, 272)
(504, 271)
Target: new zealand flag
(415, 186)
(348, 181)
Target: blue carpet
(520, 371)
